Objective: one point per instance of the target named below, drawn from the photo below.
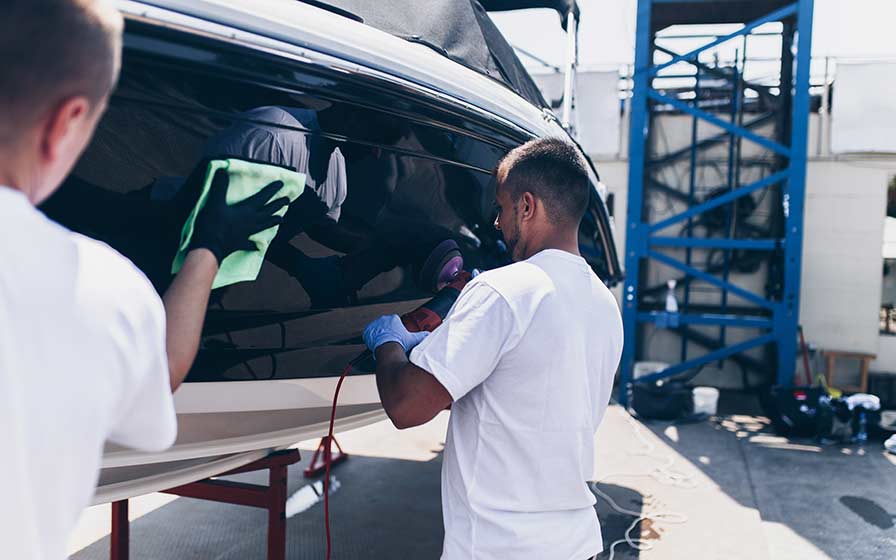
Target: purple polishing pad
(441, 266)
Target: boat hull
(223, 426)
(418, 136)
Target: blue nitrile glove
(389, 328)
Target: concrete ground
(746, 494)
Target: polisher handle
(430, 315)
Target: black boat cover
(458, 29)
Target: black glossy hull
(418, 172)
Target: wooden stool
(271, 497)
(865, 360)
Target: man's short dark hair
(553, 170)
(51, 50)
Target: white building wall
(886, 355)
(614, 174)
(842, 262)
(864, 114)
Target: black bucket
(794, 411)
(670, 401)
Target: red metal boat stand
(271, 497)
(322, 456)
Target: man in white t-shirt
(526, 359)
(87, 350)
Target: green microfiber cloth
(245, 179)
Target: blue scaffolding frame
(773, 315)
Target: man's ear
(527, 206)
(61, 124)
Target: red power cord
(327, 456)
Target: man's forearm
(410, 395)
(186, 301)
(390, 359)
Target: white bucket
(646, 368)
(888, 420)
(706, 400)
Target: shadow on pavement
(839, 498)
(613, 525)
(386, 509)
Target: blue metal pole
(636, 168)
(719, 200)
(709, 278)
(710, 141)
(710, 357)
(777, 15)
(787, 314)
(744, 321)
(721, 123)
(715, 243)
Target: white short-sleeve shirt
(528, 354)
(82, 360)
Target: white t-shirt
(528, 354)
(82, 360)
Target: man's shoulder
(109, 280)
(81, 279)
(108, 266)
(516, 280)
(56, 251)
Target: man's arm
(186, 301)
(220, 230)
(410, 395)
(455, 358)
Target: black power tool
(442, 271)
(431, 314)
